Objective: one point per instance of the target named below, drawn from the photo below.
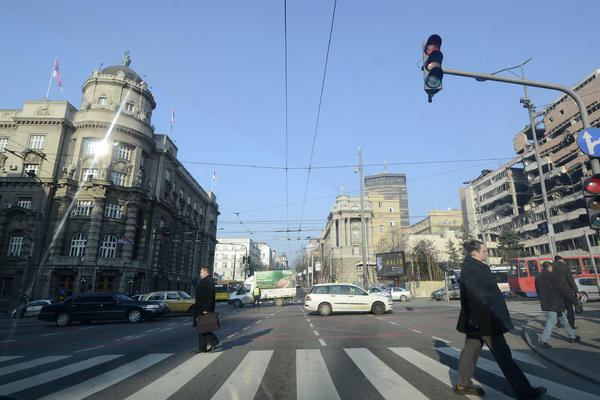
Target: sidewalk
(580, 359)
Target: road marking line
(440, 339)
(50, 334)
(439, 371)
(8, 358)
(322, 342)
(167, 384)
(232, 335)
(316, 333)
(166, 329)
(243, 383)
(137, 337)
(174, 323)
(387, 382)
(128, 337)
(87, 327)
(246, 328)
(88, 349)
(30, 364)
(152, 330)
(312, 377)
(311, 325)
(394, 323)
(259, 321)
(8, 341)
(55, 374)
(416, 331)
(308, 319)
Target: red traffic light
(434, 43)
(592, 185)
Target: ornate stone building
(94, 199)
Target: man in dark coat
(560, 268)
(484, 318)
(553, 292)
(205, 303)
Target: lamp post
(362, 223)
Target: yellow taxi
(177, 300)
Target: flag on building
(214, 177)
(125, 240)
(172, 117)
(56, 74)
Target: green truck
(277, 285)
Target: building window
(24, 202)
(14, 246)
(381, 228)
(3, 143)
(90, 146)
(6, 285)
(102, 101)
(108, 249)
(119, 178)
(88, 174)
(113, 210)
(123, 152)
(167, 175)
(83, 207)
(391, 209)
(33, 168)
(355, 251)
(78, 244)
(392, 223)
(355, 236)
(37, 142)
(380, 204)
(129, 107)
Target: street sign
(588, 141)
(61, 291)
(317, 266)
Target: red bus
(522, 273)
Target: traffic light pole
(595, 163)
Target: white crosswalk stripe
(241, 380)
(388, 383)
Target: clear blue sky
(221, 65)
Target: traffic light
(432, 65)
(591, 193)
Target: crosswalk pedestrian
(245, 372)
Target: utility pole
(362, 223)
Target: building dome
(129, 73)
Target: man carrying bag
(205, 318)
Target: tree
(425, 254)
(509, 244)
(465, 237)
(453, 254)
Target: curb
(527, 333)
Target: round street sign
(588, 141)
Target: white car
(399, 293)
(345, 297)
(588, 289)
(379, 291)
(31, 309)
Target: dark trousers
(256, 301)
(207, 338)
(501, 352)
(570, 313)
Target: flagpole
(50, 83)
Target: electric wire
(287, 210)
(312, 151)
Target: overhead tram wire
(312, 151)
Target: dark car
(453, 292)
(87, 307)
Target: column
(130, 232)
(57, 245)
(93, 237)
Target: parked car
(343, 297)
(399, 293)
(453, 292)
(177, 300)
(379, 291)
(588, 288)
(30, 309)
(87, 307)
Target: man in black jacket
(553, 293)
(484, 318)
(560, 268)
(205, 303)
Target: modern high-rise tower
(392, 187)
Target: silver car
(588, 289)
(399, 293)
(31, 309)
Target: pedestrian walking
(553, 292)
(560, 268)
(484, 318)
(256, 294)
(205, 303)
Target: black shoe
(534, 393)
(546, 345)
(575, 327)
(198, 351)
(459, 389)
(212, 346)
(576, 339)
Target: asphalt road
(268, 352)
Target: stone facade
(437, 221)
(107, 206)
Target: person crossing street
(256, 295)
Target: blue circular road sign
(588, 141)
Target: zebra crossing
(243, 377)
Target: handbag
(207, 322)
(578, 307)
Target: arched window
(78, 245)
(108, 249)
